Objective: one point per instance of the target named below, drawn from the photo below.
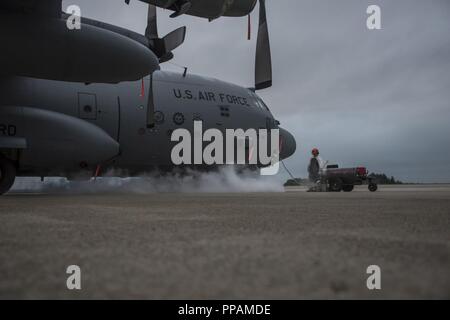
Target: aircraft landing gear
(7, 174)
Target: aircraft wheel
(373, 187)
(7, 175)
(335, 185)
(348, 188)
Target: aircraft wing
(50, 8)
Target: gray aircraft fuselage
(52, 128)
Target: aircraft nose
(288, 145)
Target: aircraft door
(87, 106)
(100, 108)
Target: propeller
(151, 33)
(162, 47)
(263, 63)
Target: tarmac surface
(291, 245)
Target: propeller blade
(150, 106)
(151, 32)
(174, 39)
(263, 65)
(162, 47)
(249, 27)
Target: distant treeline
(379, 178)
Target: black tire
(335, 185)
(348, 188)
(373, 187)
(7, 175)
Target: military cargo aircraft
(95, 99)
(54, 128)
(37, 42)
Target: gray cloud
(376, 98)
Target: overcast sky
(375, 98)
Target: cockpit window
(260, 103)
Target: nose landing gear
(7, 174)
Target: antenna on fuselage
(185, 69)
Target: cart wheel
(335, 185)
(373, 187)
(348, 188)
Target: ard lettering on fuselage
(210, 96)
(8, 130)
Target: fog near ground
(221, 181)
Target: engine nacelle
(210, 8)
(55, 141)
(46, 49)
